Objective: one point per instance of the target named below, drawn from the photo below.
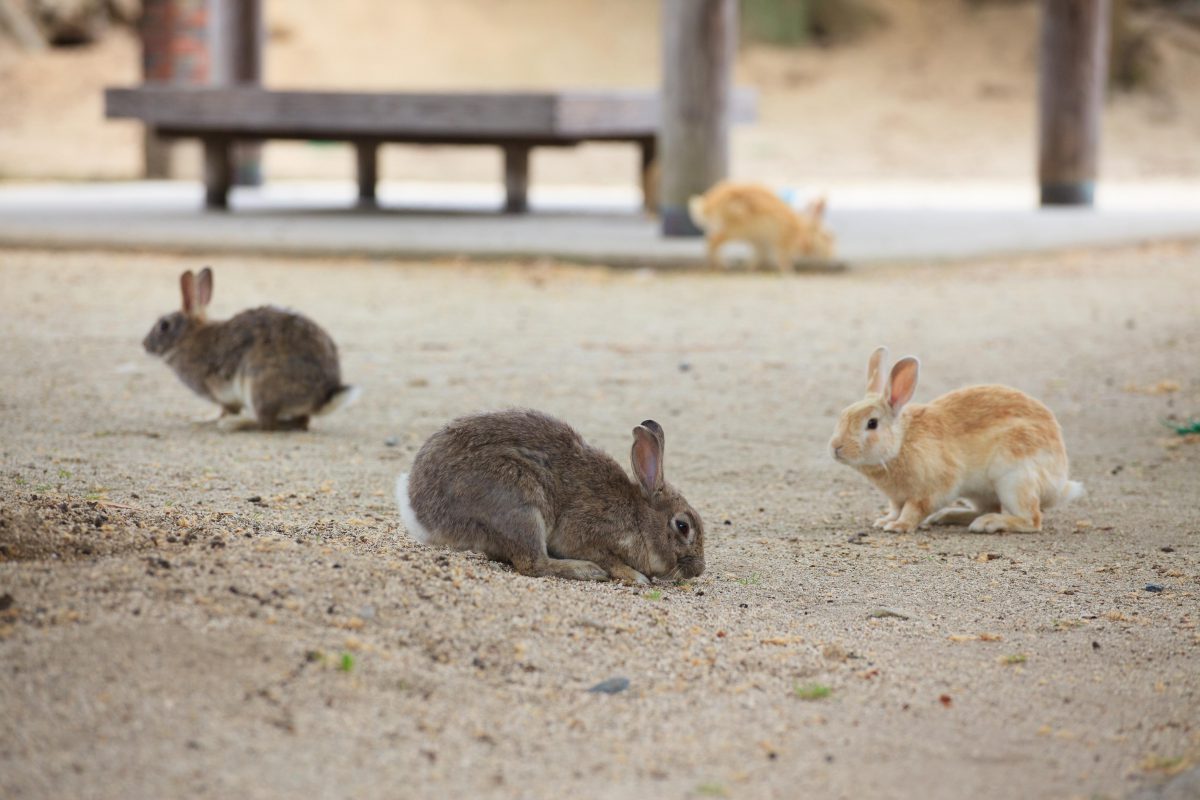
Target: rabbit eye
(681, 526)
(872, 424)
(163, 325)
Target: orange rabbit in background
(754, 214)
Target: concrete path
(588, 224)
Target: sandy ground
(186, 612)
(947, 91)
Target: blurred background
(849, 90)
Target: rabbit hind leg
(519, 537)
(1020, 506)
(964, 512)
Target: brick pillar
(199, 42)
(174, 50)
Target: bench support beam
(218, 172)
(367, 158)
(651, 175)
(516, 178)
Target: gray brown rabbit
(277, 364)
(525, 488)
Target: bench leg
(218, 172)
(651, 175)
(516, 178)
(156, 155)
(367, 157)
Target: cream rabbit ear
(647, 456)
(187, 286)
(877, 368)
(204, 288)
(902, 384)
(816, 209)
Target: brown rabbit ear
(902, 384)
(816, 209)
(647, 456)
(187, 285)
(204, 288)
(877, 370)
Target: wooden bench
(514, 121)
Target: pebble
(391, 441)
(610, 686)
(1167, 549)
(879, 613)
(6, 601)
(1154, 587)
(367, 612)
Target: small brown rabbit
(276, 363)
(751, 213)
(524, 487)
(995, 448)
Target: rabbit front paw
(627, 575)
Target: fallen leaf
(783, 641)
(1164, 386)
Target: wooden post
(1071, 81)
(516, 178)
(699, 46)
(367, 157)
(236, 38)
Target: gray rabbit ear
(647, 456)
(877, 368)
(656, 429)
(187, 285)
(204, 287)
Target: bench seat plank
(515, 121)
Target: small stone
(881, 613)
(1167, 549)
(255, 499)
(684, 366)
(367, 612)
(1154, 587)
(610, 686)
(1095, 645)
(391, 441)
(728, 522)
(6, 601)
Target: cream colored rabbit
(747, 212)
(988, 456)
